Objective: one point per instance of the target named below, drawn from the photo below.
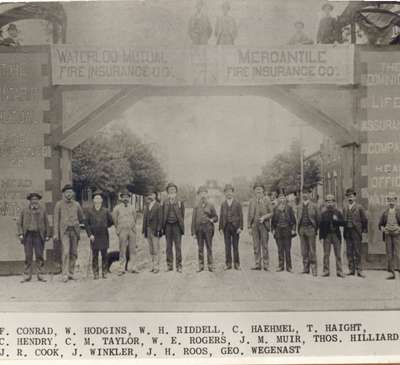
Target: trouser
(260, 244)
(231, 238)
(284, 243)
(333, 240)
(95, 260)
(308, 248)
(173, 235)
(353, 248)
(33, 242)
(154, 247)
(69, 247)
(392, 251)
(127, 239)
(204, 237)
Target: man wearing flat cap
(33, 232)
(68, 216)
(231, 224)
(356, 224)
(124, 217)
(173, 225)
(203, 219)
(389, 224)
(152, 227)
(259, 225)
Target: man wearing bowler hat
(308, 223)
(231, 224)
(68, 216)
(124, 216)
(173, 224)
(389, 224)
(203, 219)
(355, 224)
(33, 231)
(283, 224)
(151, 229)
(259, 225)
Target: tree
(283, 171)
(114, 159)
(243, 188)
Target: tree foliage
(114, 159)
(284, 171)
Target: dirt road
(244, 290)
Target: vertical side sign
(381, 128)
(22, 140)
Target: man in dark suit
(308, 222)
(283, 224)
(231, 224)
(173, 225)
(203, 219)
(356, 224)
(389, 224)
(152, 226)
(329, 231)
(258, 222)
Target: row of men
(168, 219)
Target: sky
(216, 137)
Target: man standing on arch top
(173, 224)
(355, 224)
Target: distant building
(332, 170)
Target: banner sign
(207, 66)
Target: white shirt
(229, 201)
(151, 204)
(351, 206)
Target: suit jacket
(266, 209)
(59, 225)
(327, 219)
(384, 217)
(237, 215)
(289, 214)
(152, 218)
(25, 218)
(179, 209)
(360, 221)
(313, 215)
(209, 211)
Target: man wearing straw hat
(33, 231)
(389, 224)
(124, 216)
